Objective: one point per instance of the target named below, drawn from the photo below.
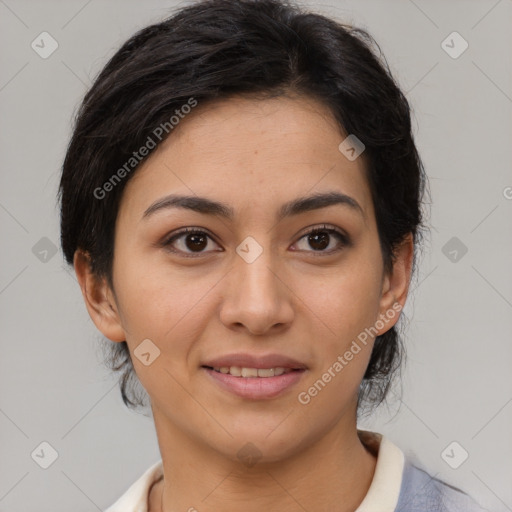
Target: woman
(241, 201)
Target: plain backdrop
(59, 405)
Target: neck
(333, 473)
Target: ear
(99, 298)
(395, 284)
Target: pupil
(195, 238)
(324, 237)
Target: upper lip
(254, 361)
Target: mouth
(243, 372)
(254, 383)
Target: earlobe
(395, 285)
(98, 298)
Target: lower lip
(256, 388)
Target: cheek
(166, 306)
(346, 302)
(171, 312)
(347, 307)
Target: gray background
(457, 385)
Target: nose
(257, 297)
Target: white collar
(382, 496)
(135, 499)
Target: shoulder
(420, 492)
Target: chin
(262, 446)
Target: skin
(253, 155)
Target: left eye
(319, 239)
(196, 240)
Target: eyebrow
(216, 208)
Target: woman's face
(251, 285)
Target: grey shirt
(421, 492)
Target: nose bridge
(256, 299)
(254, 263)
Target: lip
(255, 388)
(252, 361)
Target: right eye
(192, 239)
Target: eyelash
(342, 237)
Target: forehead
(282, 128)
(247, 152)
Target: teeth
(249, 372)
(236, 371)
